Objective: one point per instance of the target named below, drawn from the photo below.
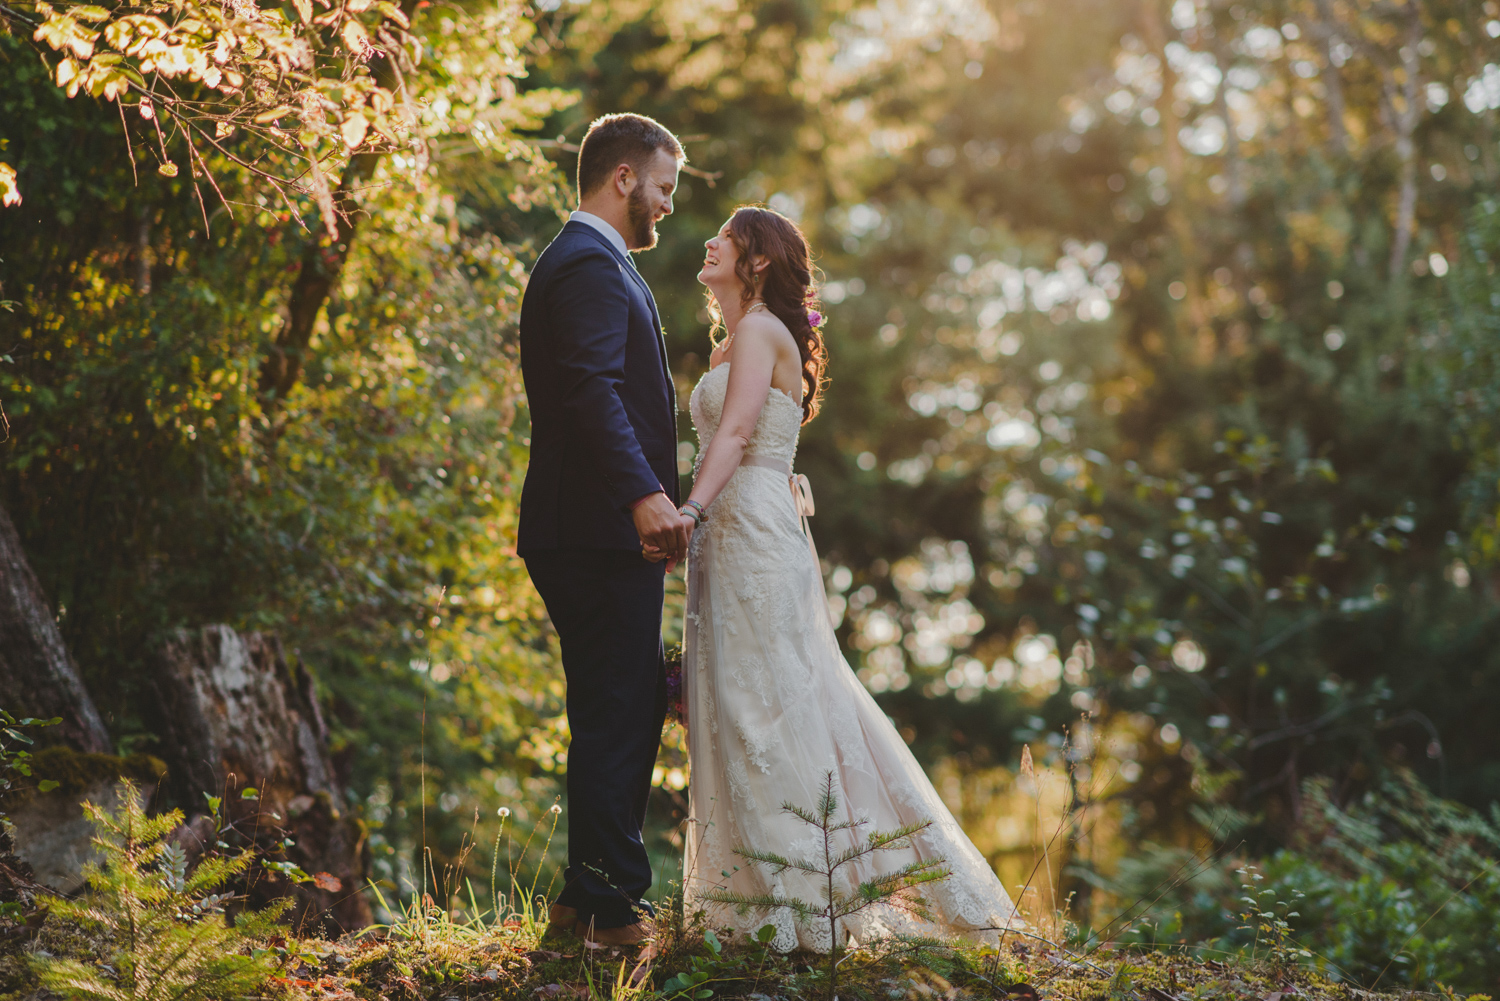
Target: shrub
(1398, 887)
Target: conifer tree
(169, 938)
(896, 888)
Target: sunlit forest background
(1161, 440)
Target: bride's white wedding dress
(772, 707)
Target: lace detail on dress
(765, 661)
(775, 433)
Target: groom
(602, 485)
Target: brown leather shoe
(561, 920)
(636, 934)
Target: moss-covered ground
(444, 961)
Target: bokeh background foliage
(1161, 437)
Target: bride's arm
(745, 396)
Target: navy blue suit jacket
(603, 407)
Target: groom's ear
(624, 178)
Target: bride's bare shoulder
(764, 326)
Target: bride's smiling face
(719, 260)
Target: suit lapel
(661, 335)
(661, 345)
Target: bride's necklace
(756, 306)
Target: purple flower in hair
(814, 318)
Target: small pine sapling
(167, 936)
(896, 888)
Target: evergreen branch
(765, 858)
(213, 873)
(877, 842)
(806, 816)
(920, 871)
(850, 855)
(889, 839)
(846, 825)
(899, 901)
(744, 902)
(778, 863)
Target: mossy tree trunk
(37, 673)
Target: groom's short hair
(622, 138)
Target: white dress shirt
(610, 233)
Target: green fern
(168, 938)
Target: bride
(772, 707)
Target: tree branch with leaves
(305, 90)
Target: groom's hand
(662, 528)
(654, 555)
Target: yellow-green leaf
(356, 37)
(66, 71)
(168, 169)
(62, 32)
(113, 83)
(273, 114)
(354, 129)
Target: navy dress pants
(606, 606)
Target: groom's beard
(638, 218)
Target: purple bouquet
(676, 710)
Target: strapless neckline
(774, 389)
(775, 432)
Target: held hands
(664, 532)
(655, 555)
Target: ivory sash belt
(802, 500)
(784, 468)
(802, 495)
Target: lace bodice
(775, 433)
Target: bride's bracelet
(693, 510)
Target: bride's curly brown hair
(785, 286)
